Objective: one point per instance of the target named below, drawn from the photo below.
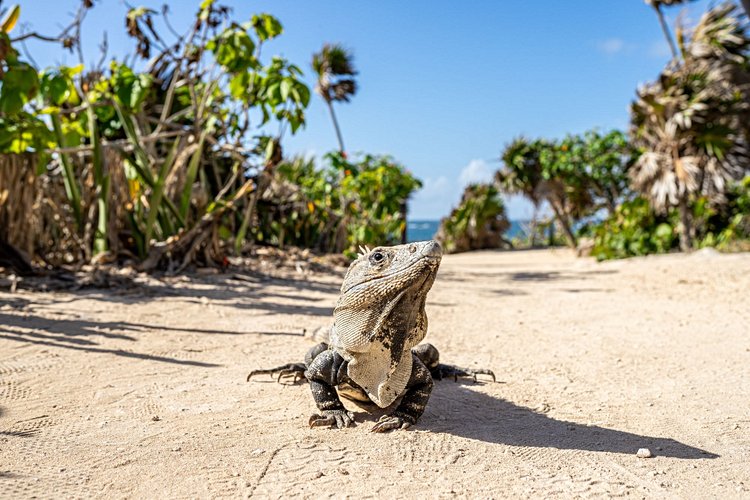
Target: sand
(140, 392)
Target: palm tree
(524, 172)
(657, 5)
(692, 124)
(335, 69)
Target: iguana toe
(337, 418)
(295, 370)
(390, 422)
(444, 371)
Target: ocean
(420, 230)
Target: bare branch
(121, 144)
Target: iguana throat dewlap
(371, 353)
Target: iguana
(371, 353)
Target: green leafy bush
(576, 176)
(633, 229)
(157, 164)
(478, 222)
(337, 207)
(727, 227)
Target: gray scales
(372, 352)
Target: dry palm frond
(691, 124)
(720, 34)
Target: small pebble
(177, 448)
(644, 453)
(155, 418)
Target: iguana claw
(338, 418)
(390, 422)
(443, 371)
(295, 370)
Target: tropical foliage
(658, 5)
(633, 229)
(338, 206)
(691, 125)
(175, 157)
(637, 229)
(690, 129)
(172, 158)
(334, 67)
(576, 176)
(477, 223)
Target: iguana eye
(377, 257)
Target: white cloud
(431, 202)
(611, 46)
(659, 50)
(433, 189)
(475, 172)
(441, 194)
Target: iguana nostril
(412, 248)
(432, 249)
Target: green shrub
(339, 206)
(478, 222)
(727, 227)
(633, 229)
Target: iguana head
(380, 315)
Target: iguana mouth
(429, 258)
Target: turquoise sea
(420, 230)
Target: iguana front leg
(294, 370)
(430, 356)
(414, 401)
(324, 373)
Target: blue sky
(443, 84)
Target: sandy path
(142, 392)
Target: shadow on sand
(472, 414)
(24, 321)
(81, 335)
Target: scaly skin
(372, 353)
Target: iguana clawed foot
(337, 418)
(294, 370)
(444, 371)
(390, 422)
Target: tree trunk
(665, 29)
(265, 177)
(551, 235)
(686, 239)
(746, 5)
(336, 126)
(563, 220)
(532, 226)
